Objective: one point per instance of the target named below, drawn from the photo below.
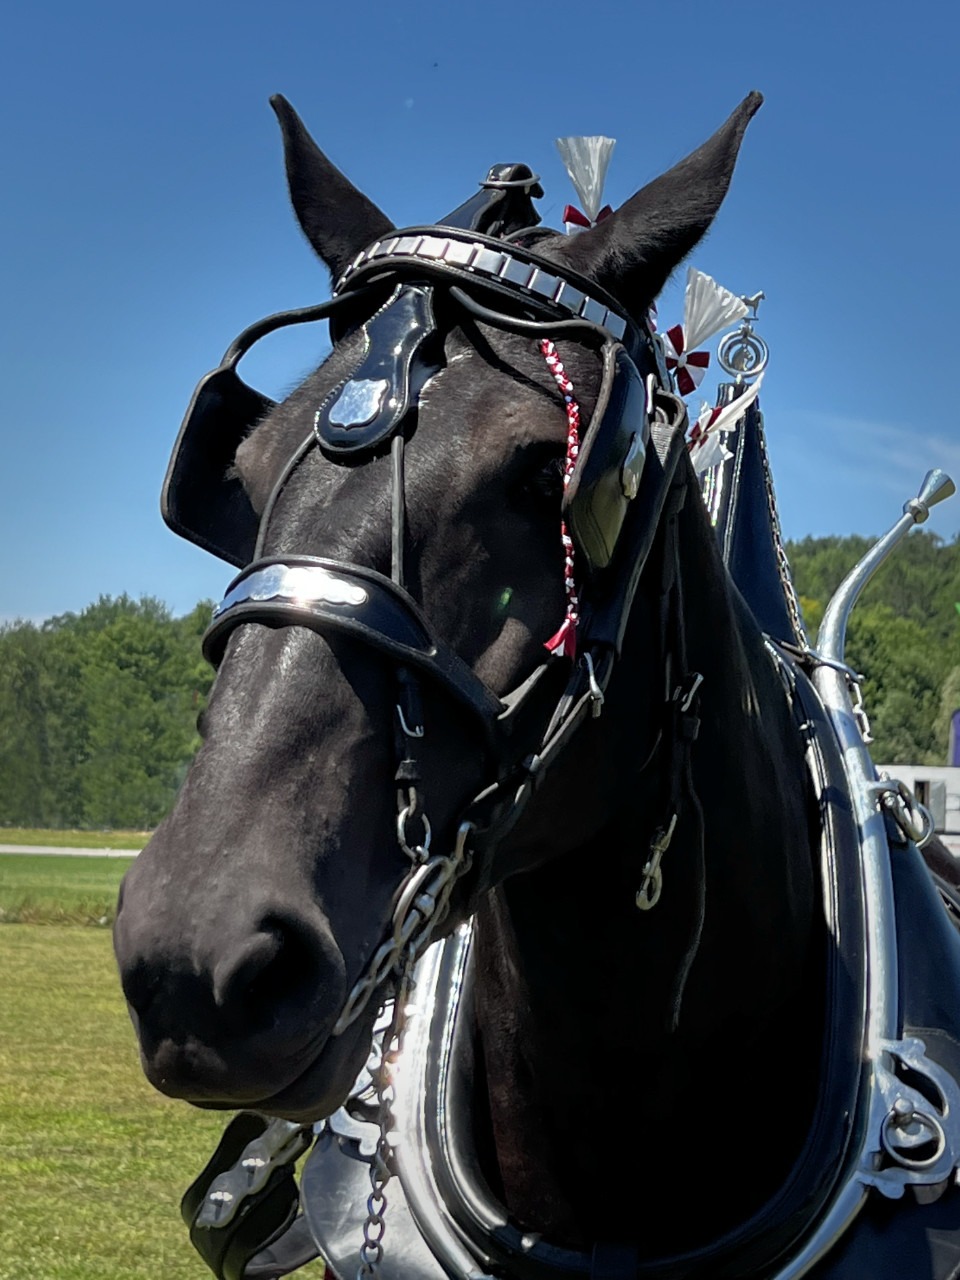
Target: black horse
(626, 811)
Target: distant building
(938, 787)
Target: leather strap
(257, 1241)
(614, 1262)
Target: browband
(512, 272)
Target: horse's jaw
(193, 1073)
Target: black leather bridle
(614, 525)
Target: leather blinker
(611, 459)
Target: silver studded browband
(476, 258)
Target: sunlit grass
(49, 889)
(95, 1161)
(75, 839)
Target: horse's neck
(595, 1018)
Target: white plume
(586, 161)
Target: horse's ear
(336, 218)
(633, 251)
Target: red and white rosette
(706, 439)
(707, 308)
(688, 366)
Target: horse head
(389, 638)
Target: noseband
(615, 497)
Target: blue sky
(144, 221)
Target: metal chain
(421, 907)
(416, 851)
(783, 564)
(381, 1166)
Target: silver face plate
(359, 402)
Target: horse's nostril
(139, 987)
(278, 968)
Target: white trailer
(938, 787)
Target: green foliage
(904, 636)
(48, 889)
(98, 714)
(98, 710)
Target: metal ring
(913, 818)
(504, 184)
(899, 1153)
(743, 354)
(416, 852)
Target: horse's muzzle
(232, 1007)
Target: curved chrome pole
(833, 681)
(936, 486)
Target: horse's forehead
(487, 402)
(494, 401)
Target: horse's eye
(545, 482)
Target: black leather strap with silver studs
(464, 254)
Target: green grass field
(75, 839)
(49, 889)
(94, 1161)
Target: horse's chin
(324, 1086)
(314, 1092)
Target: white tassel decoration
(586, 161)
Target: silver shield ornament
(358, 403)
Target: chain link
(416, 851)
(422, 905)
(783, 564)
(381, 1166)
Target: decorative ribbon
(690, 366)
(704, 422)
(574, 220)
(705, 439)
(707, 307)
(564, 643)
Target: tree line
(904, 636)
(98, 710)
(98, 714)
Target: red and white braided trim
(565, 640)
